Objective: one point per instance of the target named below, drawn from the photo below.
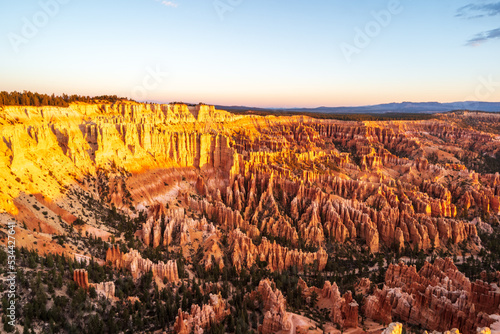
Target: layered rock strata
(437, 297)
(138, 266)
(105, 289)
(200, 319)
(343, 309)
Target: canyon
(180, 191)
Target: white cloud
(169, 4)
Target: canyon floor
(147, 218)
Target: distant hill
(404, 107)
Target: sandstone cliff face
(299, 180)
(343, 309)
(105, 289)
(201, 318)
(71, 142)
(81, 277)
(437, 297)
(134, 262)
(278, 258)
(276, 318)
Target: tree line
(27, 98)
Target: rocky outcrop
(169, 227)
(164, 226)
(105, 289)
(290, 179)
(485, 297)
(343, 309)
(276, 318)
(362, 287)
(200, 319)
(225, 217)
(437, 297)
(134, 262)
(278, 258)
(81, 278)
(387, 217)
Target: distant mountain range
(404, 107)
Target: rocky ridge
(437, 297)
(138, 266)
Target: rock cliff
(105, 289)
(201, 318)
(437, 297)
(276, 318)
(343, 309)
(245, 253)
(138, 266)
(303, 180)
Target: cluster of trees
(483, 163)
(27, 98)
(76, 311)
(488, 259)
(43, 279)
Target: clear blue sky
(274, 53)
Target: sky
(261, 53)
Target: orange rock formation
(343, 309)
(200, 319)
(276, 318)
(105, 289)
(296, 179)
(245, 253)
(437, 297)
(134, 262)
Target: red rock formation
(437, 297)
(181, 326)
(349, 311)
(225, 217)
(133, 262)
(245, 253)
(212, 253)
(169, 219)
(275, 316)
(81, 277)
(296, 180)
(379, 306)
(485, 297)
(202, 318)
(105, 289)
(343, 310)
(363, 286)
(201, 188)
(355, 181)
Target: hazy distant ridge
(404, 107)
